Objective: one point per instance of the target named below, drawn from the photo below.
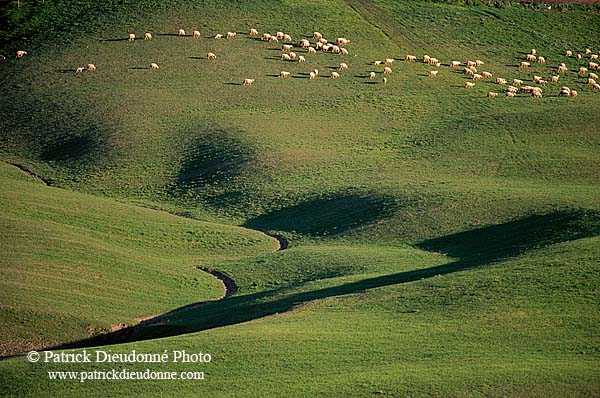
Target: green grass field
(442, 244)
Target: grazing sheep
(91, 67)
(468, 71)
(131, 37)
(592, 75)
(376, 62)
(343, 66)
(561, 69)
(433, 61)
(536, 92)
(279, 35)
(293, 55)
(536, 78)
(80, 70)
(387, 70)
(591, 82)
(477, 76)
(469, 85)
(426, 58)
(372, 75)
(541, 82)
(196, 34)
(512, 89)
(287, 47)
(517, 82)
(588, 51)
(336, 49)
(286, 57)
(479, 62)
(487, 75)
(326, 47)
(592, 65)
(438, 64)
(527, 89)
(311, 50)
(541, 60)
(273, 39)
(284, 74)
(248, 82)
(492, 94)
(153, 66)
(343, 51)
(253, 32)
(312, 75)
(148, 36)
(301, 58)
(500, 81)
(455, 64)
(569, 53)
(555, 78)
(266, 37)
(579, 57)
(317, 35)
(287, 37)
(231, 35)
(583, 70)
(565, 92)
(473, 69)
(432, 73)
(389, 61)
(533, 51)
(530, 57)
(21, 53)
(219, 36)
(510, 94)
(335, 75)
(316, 72)
(410, 58)
(211, 56)
(573, 93)
(594, 56)
(181, 32)
(471, 63)
(385, 80)
(596, 86)
(323, 40)
(342, 41)
(304, 43)
(524, 64)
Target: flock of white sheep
(470, 70)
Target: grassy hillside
(443, 243)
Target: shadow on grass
(475, 248)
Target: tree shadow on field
(474, 249)
(325, 216)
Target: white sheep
(336, 49)
(273, 39)
(536, 92)
(588, 51)
(533, 51)
(479, 62)
(387, 70)
(279, 35)
(524, 64)
(433, 61)
(578, 57)
(312, 75)
(477, 76)
(468, 71)
(248, 82)
(323, 40)
(301, 58)
(91, 67)
(455, 64)
(231, 35)
(304, 43)
(286, 57)
(293, 55)
(565, 92)
(311, 50)
(148, 36)
(181, 32)
(196, 34)
(265, 37)
(335, 75)
(153, 66)
(218, 36)
(287, 37)
(21, 53)
(569, 53)
(316, 71)
(492, 94)
(131, 37)
(592, 65)
(343, 66)
(287, 47)
(426, 58)
(596, 86)
(500, 81)
(432, 73)
(469, 85)
(284, 74)
(385, 80)
(342, 41)
(317, 35)
(555, 78)
(211, 56)
(583, 70)
(376, 62)
(594, 56)
(541, 60)
(510, 94)
(591, 81)
(562, 69)
(487, 75)
(372, 75)
(592, 75)
(531, 57)
(573, 93)
(410, 58)
(517, 82)
(471, 63)
(253, 32)
(80, 70)
(343, 51)
(389, 61)
(473, 69)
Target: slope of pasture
(190, 138)
(73, 264)
(518, 320)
